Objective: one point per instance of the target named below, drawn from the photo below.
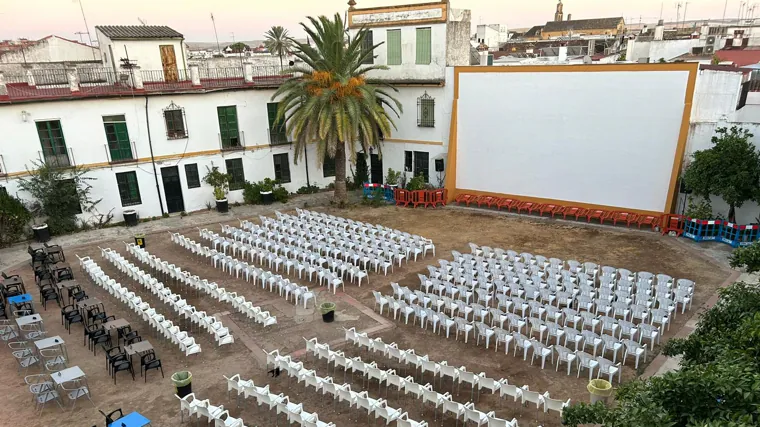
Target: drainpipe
(152, 159)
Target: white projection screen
(595, 136)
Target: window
(236, 173)
(129, 191)
(407, 161)
(228, 127)
(277, 132)
(367, 45)
(174, 118)
(421, 164)
(67, 188)
(118, 138)
(426, 111)
(328, 166)
(394, 47)
(191, 174)
(53, 144)
(424, 47)
(282, 168)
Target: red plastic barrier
(403, 197)
(547, 208)
(529, 207)
(508, 203)
(671, 222)
(651, 220)
(599, 214)
(439, 197)
(418, 198)
(486, 200)
(465, 198)
(624, 217)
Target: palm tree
(278, 42)
(331, 103)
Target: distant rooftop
(138, 32)
(582, 24)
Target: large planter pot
(41, 233)
(267, 197)
(222, 206)
(328, 311)
(130, 217)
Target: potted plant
(221, 183)
(267, 187)
(392, 178)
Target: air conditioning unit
(697, 50)
(709, 50)
(643, 61)
(711, 40)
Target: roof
(582, 24)
(534, 31)
(739, 57)
(6, 47)
(137, 32)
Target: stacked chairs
(278, 402)
(341, 392)
(212, 289)
(285, 287)
(204, 408)
(458, 375)
(212, 325)
(550, 298)
(166, 327)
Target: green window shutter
(228, 126)
(367, 44)
(424, 46)
(129, 191)
(277, 130)
(236, 172)
(393, 43)
(118, 141)
(53, 144)
(193, 179)
(490, 59)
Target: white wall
(409, 70)
(84, 133)
(579, 153)
(656, 49)
(146, 53)
(716, 95)
(52, 49)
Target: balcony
(278, 137)
(234, 142)
(55, 160)
(51, 83)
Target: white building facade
(152, 47)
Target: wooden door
(169, 62)
(172, 189)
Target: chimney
(562, 54)
(659, 30)
(569, 16)
(705, 31)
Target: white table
(29, 320)
(66, 375)
(49, 342)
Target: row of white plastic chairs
(443, 370)
(326, 241)
(561, 281)
(362, 228)
(536, 312)
(203, 408)
(425, 393)
(281, 403)
(341, 392)
(483, 253)
(166, 327)
(213, 326)
(310, 262)
(210, 288)
(285, 287)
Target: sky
(249, 19)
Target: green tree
(239, 47)
(278, 42)
(747, 257)
(60, 194)
(14, 218)
(331, 103)
(730, 169)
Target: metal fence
(222, 77)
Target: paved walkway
(16, 254)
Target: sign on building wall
(407, 15)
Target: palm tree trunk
(340, 196)
(280, 61)
(731, 212)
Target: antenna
(87, 27)
(142, 21)
(215, 34)
(79, 33)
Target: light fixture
(24, 116)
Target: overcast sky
(249, 19)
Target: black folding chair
(149, 361)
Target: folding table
(133, 419)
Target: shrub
(392, 177)
(377, 199)
(700, 209)
(308, 189)
(251, 193)
(747, 257)
(14, 217)
(416, 183)
(280, 194)
(220, 181)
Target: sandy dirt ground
(451, 229)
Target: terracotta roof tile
(134, 32)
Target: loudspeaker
(683, 189)
(439, 165)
